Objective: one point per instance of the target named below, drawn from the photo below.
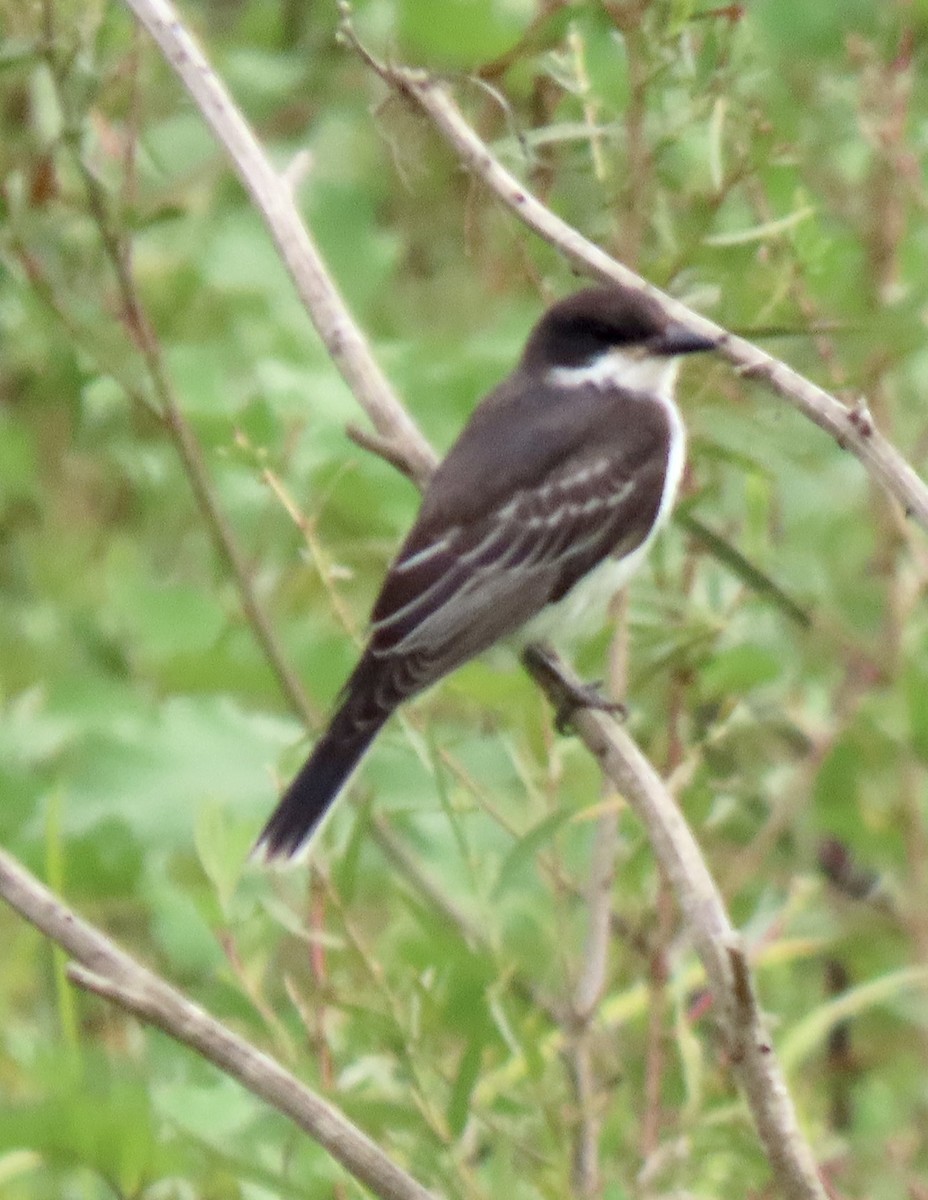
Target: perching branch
(717, 943)
(852, 428)
(103, 968)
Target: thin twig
(108, 971)
(398, 853)
(186, 443)
(578, 1020)
(587, 1177)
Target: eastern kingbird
(570, 464)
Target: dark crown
(576, 330)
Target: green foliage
(763, 162)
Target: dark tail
(319, 782)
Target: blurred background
(765, 163)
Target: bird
(542, 509)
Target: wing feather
(495, 543)
(496, 574)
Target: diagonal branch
(102, 967)
(717, 943)
(852, 428)
(273, 196)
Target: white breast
(583, 609)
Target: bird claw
(585, 695)
(569, 696)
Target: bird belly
(582, 612)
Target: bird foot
(568, 695)
(584, 695)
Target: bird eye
(602, 332)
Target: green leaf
(749, 575)
(740, 669)
(222, 846)
(522, 856)
(836, 796)
(916, 693)
(463, 1086)
(764, 232)
(17, 462)
(808, 1035)
(466, 32)
(153, 769)
(99, 1119)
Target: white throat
(651, 373)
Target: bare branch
(587, 1177)
(108, 971)
(392, 452)
(273, 196)
(852, 428)
(716, 941)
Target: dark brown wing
(517, 514)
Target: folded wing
(453, 591)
